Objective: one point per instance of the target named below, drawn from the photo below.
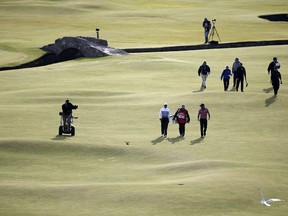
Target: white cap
(165, 104)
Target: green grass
(95, 172)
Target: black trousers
(226, 84)
(182, 129)
(164, 126)
(238, 81)
(203, 127)
(276, 86)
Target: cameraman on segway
(67, 108)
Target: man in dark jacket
(226, 74)
(204, 71)
(67, 108)
(276, 80)
(207, 26)
(240, 75)
(274, 64)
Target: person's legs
(201, 127)
(237, 83)
(204, 77)
(276, 88)
(164, 126)
(182, 129)
(242, 84)
(205, 126)
(206, 33)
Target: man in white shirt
(164, 116)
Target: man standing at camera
(207, 26)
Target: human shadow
(157, 140)
(200, 90)
(175, 139)
(268, 90)
(197, 141)
(60, 137)
(270, 100)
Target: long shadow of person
(270, 100)
(176, 139)
(268, 90)
(200, 90)
(196, 141)
(157, 140)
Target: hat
(165, 104)
(201, 104)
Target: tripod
(212, 32)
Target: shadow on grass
(61, 138)
(270, 100)
(157, 140)
(268, 90)
(200, 90)
(197, 141)
(176, 139)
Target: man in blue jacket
(226, 74)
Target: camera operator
(207, 26)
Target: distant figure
(274, 64)
(67, 108)
(240, 75)
(203, 116)
(182, 117)
(235, 66)
(225, 76)
(204, 71)
(276, 80)
(164, 116)
(207, 26)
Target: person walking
(203, 116)
(182, 117)
(271, 67)
(164, 116)
(207, 26)
(204, 71)
(240, 75)
(235, 66)
(276, 80)
(225, 76)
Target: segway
(66, 127)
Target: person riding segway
(67, 118)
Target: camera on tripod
(212, 32)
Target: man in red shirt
(182, 117)
(203, 116)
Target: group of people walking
(239, 75)
(182, 117)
